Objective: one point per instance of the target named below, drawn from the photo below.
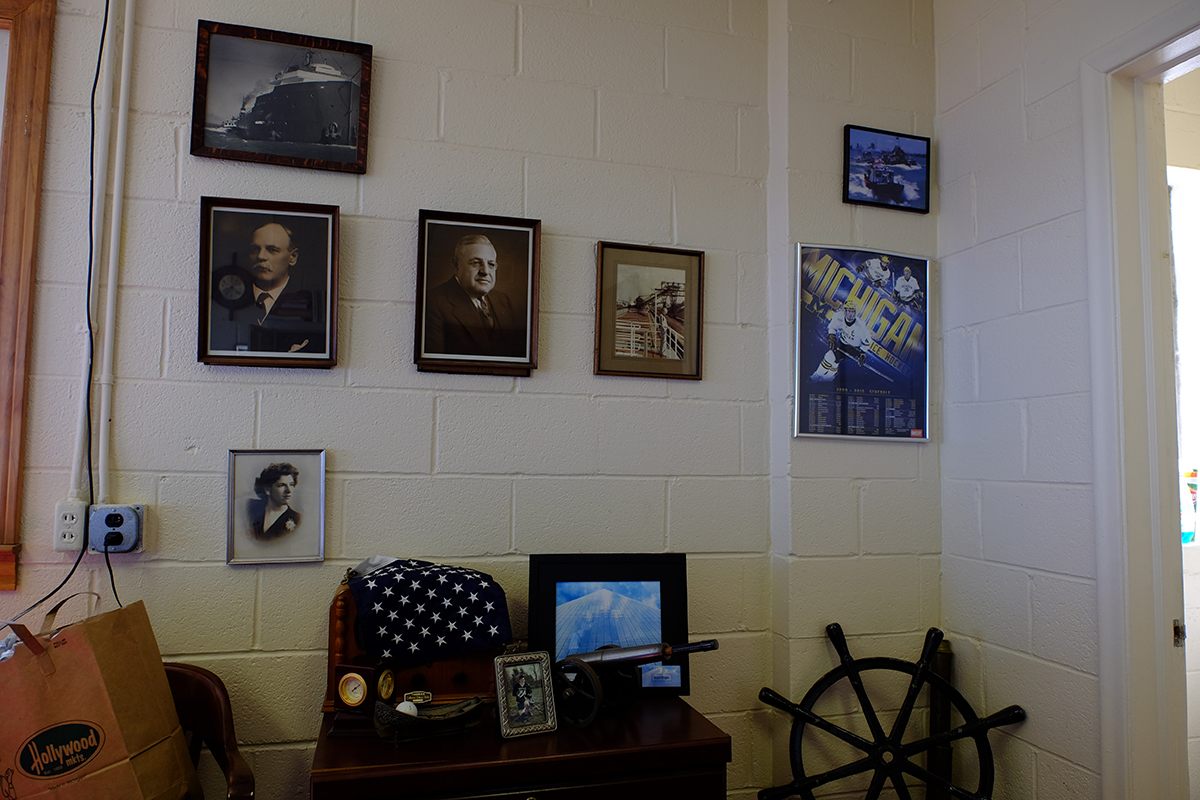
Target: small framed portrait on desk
(525, 694)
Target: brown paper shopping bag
(88, 714)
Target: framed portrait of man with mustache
(268, 283)
(477, 294)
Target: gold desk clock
(358, 687)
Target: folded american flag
(413, 612)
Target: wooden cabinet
(660, 748)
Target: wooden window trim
(31, 34)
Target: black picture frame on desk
(646, 592)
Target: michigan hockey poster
(861, 354)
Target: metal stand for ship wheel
(893, 758)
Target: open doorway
(1181, 100)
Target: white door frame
(1143, 724)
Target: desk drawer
(699, 785)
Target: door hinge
(1179, 630)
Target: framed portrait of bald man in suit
(477, 294)
(268, 283)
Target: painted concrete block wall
(857, 524)
(1182, 100)
(628, 121)
(1019, 556)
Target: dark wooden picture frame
(490, 325)
(297, 326)
(649, 311)
(280, 98)
(524, 707)
(558, 580)
(885, 169)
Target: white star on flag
(474, 598)
(378, 607)
(458, 588)
(371, 584)
(441, 640)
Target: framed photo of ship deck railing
(862, 353)
(649, 311)
(886, 169)
(280, 98)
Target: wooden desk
(661, 748)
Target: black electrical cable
(91, 341)
(111, 581)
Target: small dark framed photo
(477, 294)
(580, 603)
(885, 168)
(525, 694)
(649, 311)
(268, 283)
(276, 506)
(280, 98)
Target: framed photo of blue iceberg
(885, 168)
(580, 603)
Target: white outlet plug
(68, 525)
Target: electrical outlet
(118, 526)
(68, 525)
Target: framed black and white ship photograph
(280, 98)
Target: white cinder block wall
(1018, 545)
(634, 120)
(855, 525)
(622, 120)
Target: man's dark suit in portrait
(287, 311)
(465, 316)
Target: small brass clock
(352, 690)
(360, 686)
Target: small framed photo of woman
(525, 694)
(276, 511)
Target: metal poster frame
(879, 389)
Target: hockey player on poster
(908, 290)
(847, 336)
(878, 270)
